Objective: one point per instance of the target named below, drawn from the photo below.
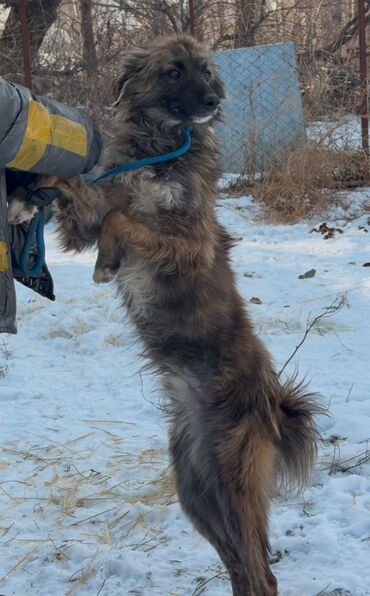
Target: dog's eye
(207, 74)
(174, 74)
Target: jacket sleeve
(43, 136)
(39, 136)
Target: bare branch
(329, 311)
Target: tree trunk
(88, 39)
(89, 56)
(347, 33)
(250, 16)
(41, 15)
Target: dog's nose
(211, 101)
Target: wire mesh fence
(263, 110)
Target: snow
(344, 133)
(87, 505)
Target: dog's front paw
(103, 276)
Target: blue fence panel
(263, 114)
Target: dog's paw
(103, 276)
(20, 211)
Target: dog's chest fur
(152, 192)
(135, 280)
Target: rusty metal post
(192, 17)
(363, 76)
(25, 43)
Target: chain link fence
(263, 115)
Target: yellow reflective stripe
(68, 135)
(45, 129)
(4, 261)
(35, 137)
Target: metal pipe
(25, 43)
(363, 76)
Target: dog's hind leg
(223, 482)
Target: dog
(235, 429)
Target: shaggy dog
(235, 428)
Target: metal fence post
(363, 76)
(25, 43)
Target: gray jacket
(38, 136)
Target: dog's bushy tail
(297, 445)
(225, 467)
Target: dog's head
(172, 80)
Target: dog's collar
(148, 161)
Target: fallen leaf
(308, 274)
(326, 231)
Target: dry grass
(347, 465)
(3, 370)
(160, 491)
(307, 183)
(329, 88)
(312, 178)
(86, 491)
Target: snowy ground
(87, 505)
(344, 133)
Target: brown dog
(234, 427)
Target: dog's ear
(133, 63)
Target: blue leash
(35, 232)
(149, 161)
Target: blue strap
(35, 232)
(149, 161)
